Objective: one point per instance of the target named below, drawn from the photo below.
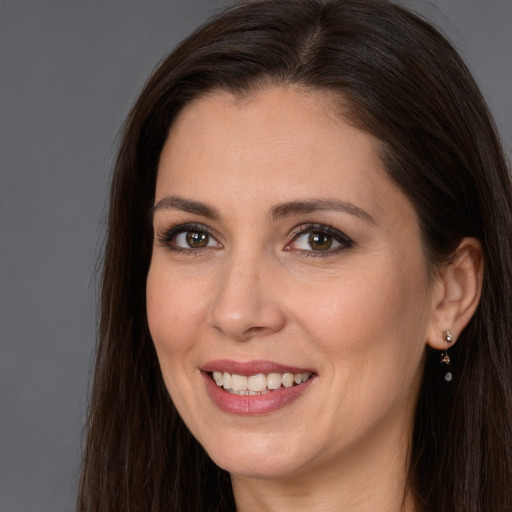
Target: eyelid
(344, 241)
(165, 236)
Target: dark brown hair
(405, 84)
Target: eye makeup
(309, 240)
(323, 240)
(198, 237)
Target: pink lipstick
(254, 387)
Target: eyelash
(324, 229)
(167, 238)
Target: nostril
(247, 334)
(253, 331)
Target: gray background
(69, 71)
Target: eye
(315, 241)
(194, 240)
(188, 237)
(319, 239)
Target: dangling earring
(445, 358)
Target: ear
(456, 293)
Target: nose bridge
(244, 305)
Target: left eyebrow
(314, 205)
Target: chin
(257, 456)
(258, 468)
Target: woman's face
(284, 258)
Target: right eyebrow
(187, 205)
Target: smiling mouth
(259, 384)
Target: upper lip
(249, 368)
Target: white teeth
(287, 380)
(239, 382)
(257, 384)
(274, 380)
(226, 380)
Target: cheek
(376, 301)
(374, 339)
(173, 319)
(372, 324)
(172, 307)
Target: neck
(367, 479)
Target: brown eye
(196, 239)
(320, 241)
(193, 239)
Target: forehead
(276, 133)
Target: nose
(246, 304)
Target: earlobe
(459, 286)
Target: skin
(359, 315)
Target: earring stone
(447, 336)
(445, 358)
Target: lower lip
(248, 405)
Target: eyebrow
(314, 205)
(187, 205)
(279, 211)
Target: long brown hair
(405, 84)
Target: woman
(306, 293)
